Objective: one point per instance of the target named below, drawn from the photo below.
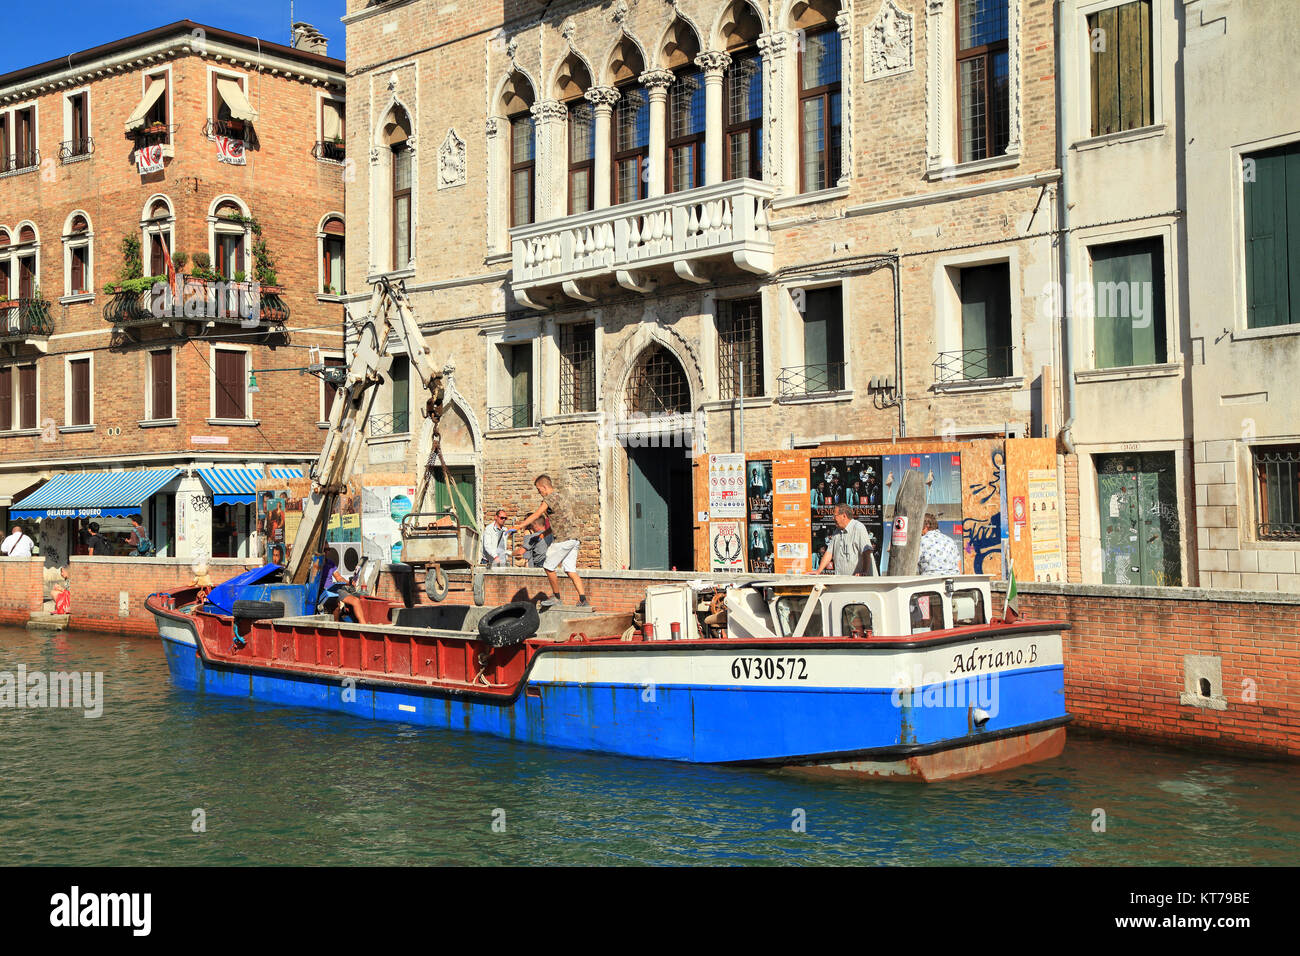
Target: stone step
(44, 621)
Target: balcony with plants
(25, 322)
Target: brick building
(850, 206)
(226, 153)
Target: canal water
(169, 777)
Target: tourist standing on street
(495, 545)
(847, 544)
(940, 554)
(18, 544)
(92, 541)
(563, 552)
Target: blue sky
(85, 23)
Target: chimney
(307, 38)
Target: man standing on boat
(495, 545)
(847, 544)
(562, 553)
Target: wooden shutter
(80, 125)
(161, 390)
(27, 396)
(26, 276)
(78, 269)
(6, 399)
(79, 375)
(230, 384)
(1272, 205)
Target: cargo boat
(901, 677)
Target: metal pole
(742, 406)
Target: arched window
(26, 262)
(819, 94)
(573, 81)
(517, 102)
(658, 385)
(742, 99)
(331, 238)
(157, 230)
(685, 148)
(77, 241)
(631, 127)
(397, 134)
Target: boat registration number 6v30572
(770, 668)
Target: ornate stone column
(498, 186)
(844, 22)
(602, 99)
(656, 83)
(773, 48)
(550, 123)
(714, 64)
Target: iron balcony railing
(330, 150)
(971, 364)
(73, 149)
(234, 129)
(153, 135)
(222, 301)
(395, 423)
(20, 160)
(510, 416)
(811, 379)
(24, 319)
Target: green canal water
(279, 786)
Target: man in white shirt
(18, 544)
(846, 544)
(940, 554)
(495, 546)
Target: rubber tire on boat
(509, 624)
(435, 582)
(258, 610)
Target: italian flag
(1011, 610)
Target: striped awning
(237, 486)
(93, 494)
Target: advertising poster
(1044, 526)
(343, 529)
(844, 481)
(727, 486)
(727, 545)
(791, 515)
(941, 472)
(382, 510)
(759, 492)
(272, 521)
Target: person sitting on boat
(348, 596)
(940, 554)
(846, 544)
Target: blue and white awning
(94, 494)
(237, 486)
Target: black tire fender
(509, 624)
(258, 610)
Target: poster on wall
(854, 482)
(727, 486)
(382, 509)
(791, 515)
(941, 472)
(343, 529)
(727, 545)
(1045, 526)
(272, 521)
(759, 493)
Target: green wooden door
(1140, 535)
(648, 497)
(461, 493)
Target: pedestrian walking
(562, 553)
(18, 545)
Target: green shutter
(521, 385)
(1293, 231)
(1269, 248)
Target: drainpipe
(1063, 218)
(896, 265)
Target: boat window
(926, 611)
(788, 612)
(968, 607)
(855, 620)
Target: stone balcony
(696, 235)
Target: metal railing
(20, 160)
(972, 364)
(329, 150)
(74, 149)
(811, 379)
(151, 136)
(395, 423)
(25, 318)
(222, 301)
(510, 416)
(234, 129)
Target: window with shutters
(1120, 68)
(77, 248)
(332, 144)
(6, 398)
(77, 144)
(1271, 201)
(577, 367)
(1128, 280)
(332, 238)
(27, 410)
(78, 391)
(230, 395)
(160, 385)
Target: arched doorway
(658, 440)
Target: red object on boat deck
(677, 631)
(648, 631)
